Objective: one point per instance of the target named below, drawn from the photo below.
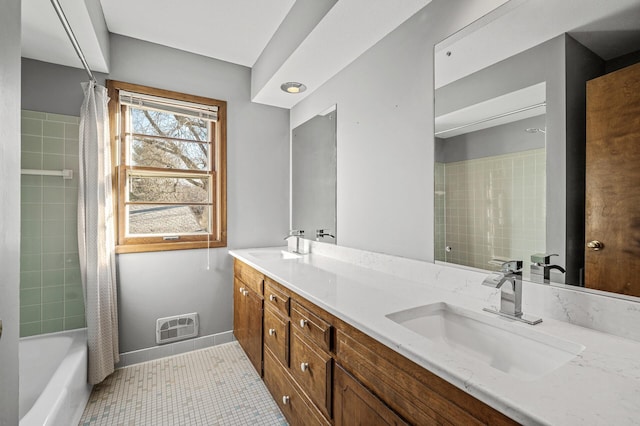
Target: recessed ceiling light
(293, 87)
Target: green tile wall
(492, 207)
(51, 297)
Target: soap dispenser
(541, 267)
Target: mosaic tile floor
(213, 386)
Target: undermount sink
(520, 352)
(275, 255)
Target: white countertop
(600, 386)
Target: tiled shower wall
(50, 288)
(492, 207)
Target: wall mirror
(511, 132)
(313, 176)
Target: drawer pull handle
(272, 332)
(303, 323)
(245, 292)
(285, 399)
(272, 298)
(241, 290)
(304, 366)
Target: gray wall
(582, 65)
(313, 170)
(53, 88)
(10, 212)
(385, 133)
(159, 284)
(497, 140)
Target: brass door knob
(595, 245)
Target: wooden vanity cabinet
(322, 371)
(248, 312)
(355, 405)
(410, 390)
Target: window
(170, 169)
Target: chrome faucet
(510, 294)
(322, 233)
(541, 268)
(294, 246)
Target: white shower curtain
(96, 246)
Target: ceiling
(236, 31)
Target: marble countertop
(600, 386)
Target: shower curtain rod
(72, 38)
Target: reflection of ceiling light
(535, 130)
(293, 87)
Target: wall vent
(179, 327)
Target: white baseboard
(175, 348)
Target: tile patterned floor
(213, 386)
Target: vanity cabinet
(322, 371)
(410, 390)
(247, 312)
(355, 405)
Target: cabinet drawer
(294, 405)
(276, 335)
(311, 368)
(311, 325)
(252, 278)
(276, 297)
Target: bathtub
(53, 378)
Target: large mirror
(511, 137)
(313, 177)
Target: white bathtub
(53, 378)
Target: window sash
(130, 173)
(127, 137)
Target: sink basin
(520, 352)
(275, 255)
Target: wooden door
(355, 405)
(613, 182)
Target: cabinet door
(239, 312)
(298, 410)
(276, 335)
(247, 322)
(355, 405)
(311, 368)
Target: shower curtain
(96, 246)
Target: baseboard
(175, 348)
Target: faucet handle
(295, 233)
(511, 266)
(541, 259)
